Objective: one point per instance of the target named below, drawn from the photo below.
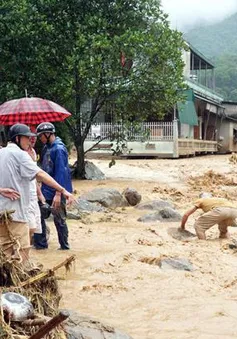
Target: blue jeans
(59, 217)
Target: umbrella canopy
(31, 111)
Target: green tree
(226, 76)
(70, 51)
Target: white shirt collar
(12, 145)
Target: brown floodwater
(110, 283)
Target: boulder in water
(107, 197)
(166, 215)
(81, 327)
(156, 205)
(132, 196)
(177, 264)
(93, 172)
(179, 234)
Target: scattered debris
(100, 288)
(41, 289)
(173, 193)
(210, 180)
(6, 216)
(109, 218)
(153, 231)
(97, 287)
(233, 158)
(144, 242)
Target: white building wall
(186, 131)
(135, 148)
(226, 136)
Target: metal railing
(147, 131)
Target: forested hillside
(219, 43)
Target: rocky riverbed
(126, 273)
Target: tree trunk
(80, 165)
(78, 139)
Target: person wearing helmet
(216, 211)
(54, 161)
(17, 170)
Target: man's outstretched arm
(48, 180)
(186, 216)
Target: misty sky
(186, 13)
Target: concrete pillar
(200, 127)
(175, 139)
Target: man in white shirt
(17, 169)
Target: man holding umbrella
(33, 111)
(54, 161)
(17, 170)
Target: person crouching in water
(216, 211)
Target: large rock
(82, 207)
(157, 205)
(107, 197)
(83, 327)
(73, 215)
(87, 206)
(132, 196)
(93, 172)
(165, 214)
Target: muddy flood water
(111, 284)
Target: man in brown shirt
(216, 211)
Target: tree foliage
(226, 76)
(104, 50)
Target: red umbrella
(31, 111)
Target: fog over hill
(185, 14)
(211, 27)
(218, 42)
(216, 39)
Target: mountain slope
(217, 39)
(219, 43)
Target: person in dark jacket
(54, 161)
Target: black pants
(59, 217)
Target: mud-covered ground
(110, 283)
